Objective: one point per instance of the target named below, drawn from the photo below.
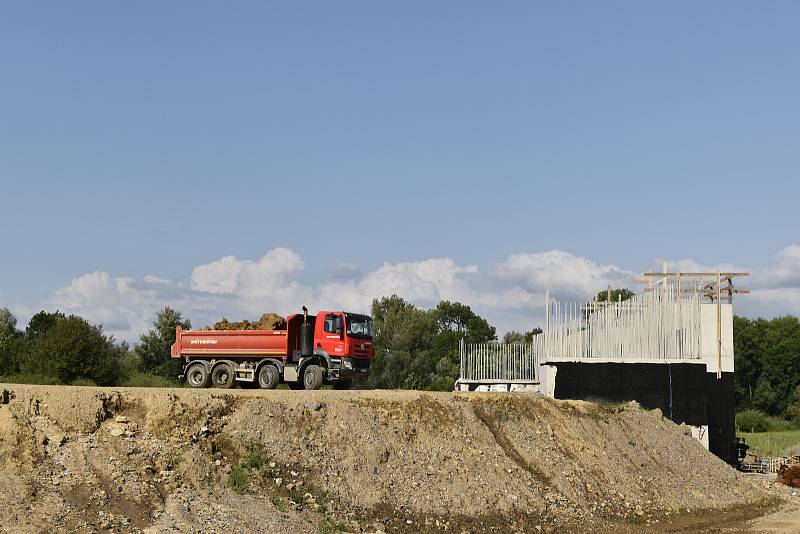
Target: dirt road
(158, 460)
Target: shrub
(138, 379)
(255, 457)
(752, 421)
(279, 506)
(330, 526)
(83, 382)
(74, 349)
(238, 479)
(30, 378)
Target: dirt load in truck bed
(85, 459)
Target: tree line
(767, 366)
(56, 348)
(415, 348)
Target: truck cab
(345, 339)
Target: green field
(771, 443)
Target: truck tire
(342, 384)
(197, 375)
(268, 376)
(222, 376)
(312, 377)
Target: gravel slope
(83, 459)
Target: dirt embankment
(156, 460)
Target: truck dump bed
(230, 343)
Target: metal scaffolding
(660, 325)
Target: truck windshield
(359, 326)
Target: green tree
(11, 348)
(748, 340)
(72, 350)
(419, 349)
(153, 349)
(767, 362)
(8, 323)
(403, 335)
(41, 323)
(793, 410)
(513, 336)
(613, 295)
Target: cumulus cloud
(775, 289)
(689, 266)
(116, 303)
(560, 272)
(344, 271)
(785, 273)
(509, 293)
(423, 282)
(229, 275)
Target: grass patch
(30, 378)
(296, 496)
(771, 443)
(83, 382)
(137, 379)
(279, 506)
(255, 457)
(238, 479)
(268, 473)
(757, 421)
(330, 526)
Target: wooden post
(719, 328)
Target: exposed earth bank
(83, 459)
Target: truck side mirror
(340, 331)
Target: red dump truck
(331, 347)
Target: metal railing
(658, 326)
(499, 362)
(653, 326)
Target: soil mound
(268, 321)
(81, 459)
(789, 475)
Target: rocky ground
(82, 459)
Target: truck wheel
(268, 376)
(312, 377)
(222, 376)
(197, 375)
(342, 384)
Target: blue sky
(349, 143)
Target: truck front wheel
(312, 377)
(268, 376)
(222, 376)
(197, 375)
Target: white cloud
(344, 271)
(786, 272)
(560, 272)
(229, 275)
(510, 294)
(691, 266)
(423, 282)
(775, 290)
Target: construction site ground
(88, 459)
